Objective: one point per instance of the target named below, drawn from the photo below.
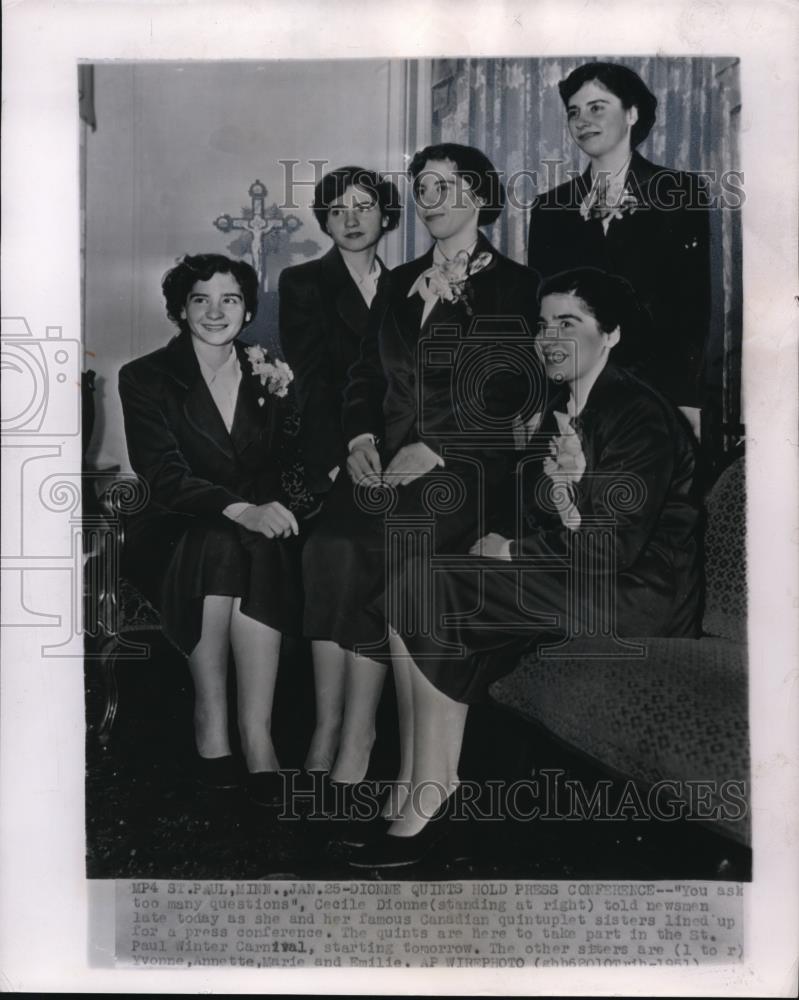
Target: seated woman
(608, 449)
(325, 305)
(630, 217)
(400, 417)
(213, 549)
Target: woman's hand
(364, 461)
(491, 545)
(410, 462)
(270, 519)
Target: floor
(147, 816)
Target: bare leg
(208, 669)
(438, 724)
(403, 686)
(330, 678)
(256, 650)
(363, 686)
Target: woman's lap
(197, 557)
(360, 541)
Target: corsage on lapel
(449, 280)
(275, 375)
(565, 467)
(595, 206)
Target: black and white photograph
(404, 438)
(377, 342)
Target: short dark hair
(620, 80)
(178, 282)
(335, 183)
(475, 166)
(610, 298)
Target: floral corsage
(275, 375)
(449, 280)
(565, 467)
(595, 207)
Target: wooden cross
(262, 224)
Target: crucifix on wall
(266, 227)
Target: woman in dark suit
(606, 450)
(213, 548)
(325, 304)
(630, 217)
(446, 364)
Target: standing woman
(399, 419)
(325, 307)
(608, 449)
(213, 549)
(631, 217)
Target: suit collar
(442, 308)
(342, 289)
(179, 361)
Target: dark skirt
(467, 626)
(177, 560)
(362, 538)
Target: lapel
(639, 175)
(341, 289)
(409, 309)
(251, 418)
(180, 363)
(453, 312)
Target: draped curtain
(511, 108)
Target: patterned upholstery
(681, 712)
(725, 556)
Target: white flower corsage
(275, 375)
(595, 207)
(448, 281)
(565, 467)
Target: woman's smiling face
(569, 338)
(444, 200)
(214, 310)
(598, 121)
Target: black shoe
(400, 852)
(217, 772)
(356, 832)
(266, 788)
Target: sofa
(680, 713)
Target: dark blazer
(178, 443)
(640, 472)
(323, 318)
(662, 249)
(382, 396)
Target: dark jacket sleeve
(629, 484)
(366, 380)
(155, 453)
(303, 333)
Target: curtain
(512, 110)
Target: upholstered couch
(678, 714)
